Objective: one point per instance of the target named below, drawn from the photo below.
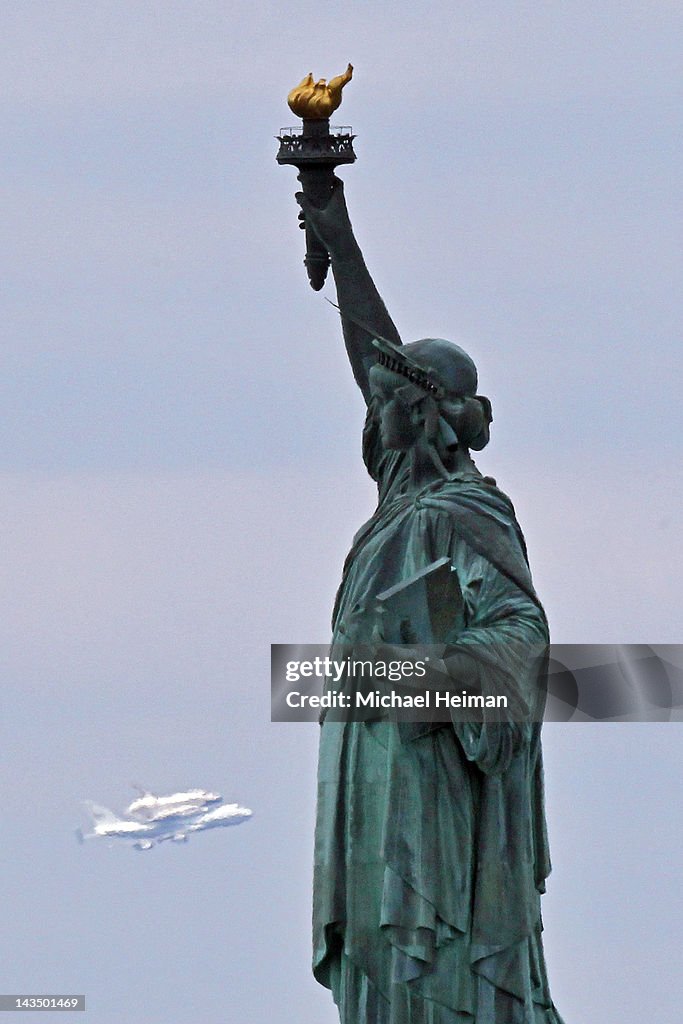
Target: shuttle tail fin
(140, 790)
(101, 815)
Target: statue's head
(429, 387)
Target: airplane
(173, 821)
(149, 807)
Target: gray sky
(181, 472)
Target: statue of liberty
(430, 852)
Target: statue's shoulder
(477, 493)
(484, 517)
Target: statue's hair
(453, 371)
(469, 417)
(441, 386)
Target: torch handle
(316, 184)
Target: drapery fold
(431, 855)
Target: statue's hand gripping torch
(316, 150)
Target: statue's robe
(431, 855)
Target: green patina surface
(430, 854)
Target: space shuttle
(149, 819)
(149, 807)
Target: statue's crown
(433, 364)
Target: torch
(316, 149)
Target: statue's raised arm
(364, 315)
(315, 149)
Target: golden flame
(318, 99)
